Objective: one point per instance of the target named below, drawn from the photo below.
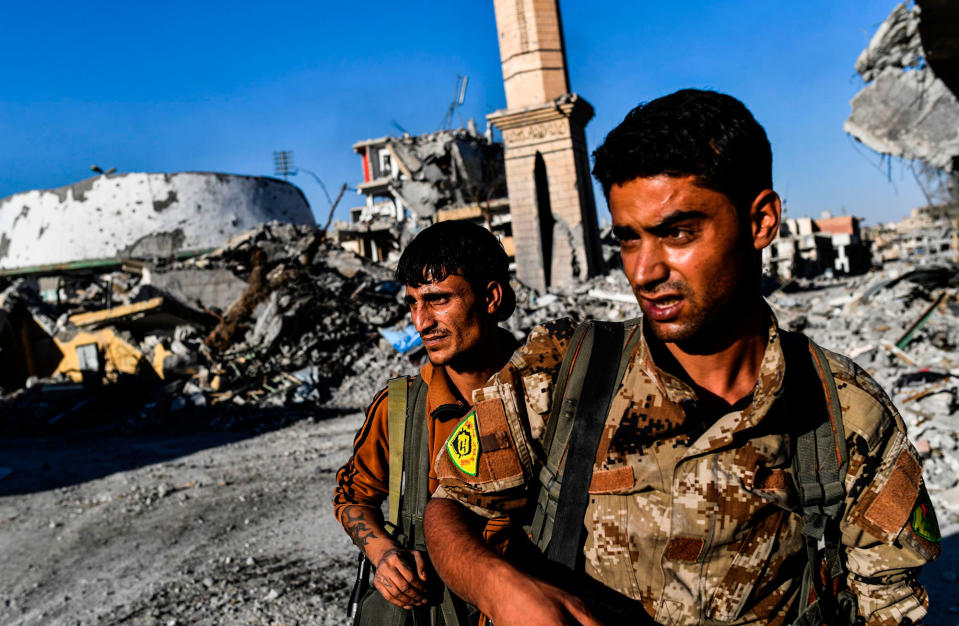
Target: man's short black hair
(705, 134)
(461, 248)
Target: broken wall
(904, 110)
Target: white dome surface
(140, 215)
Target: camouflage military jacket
(699, 522)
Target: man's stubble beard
(712, 316)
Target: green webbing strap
(820, 461)
(540, 528)
(566, 540)
(396, 431)
(416, 467)
(563, 410)
(451, 611)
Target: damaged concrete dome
(141, 215)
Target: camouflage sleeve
(889, 528)
(489, 458)
(363, 480)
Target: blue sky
(219, 86)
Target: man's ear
(764, 217)
(494, 297)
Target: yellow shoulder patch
(463, 445)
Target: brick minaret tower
(547, 164)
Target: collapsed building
(412, 181)
(100, 282)
(908, 107)
(808, 247)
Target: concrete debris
(412, 181)
(864, 317)
(905, 110)
(895, 44)
(308, 311)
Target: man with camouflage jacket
(693, 511)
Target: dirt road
(191, 529)
(208, 528)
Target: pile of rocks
(901, 324)
(264, 328)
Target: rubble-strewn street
(182, 505)
(186, 356)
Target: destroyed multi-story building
(413, 181)
(929, 235)
(808, 247)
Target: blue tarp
(402, 339)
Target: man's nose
(422, 317)
(646, 267)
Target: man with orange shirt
(457, 287)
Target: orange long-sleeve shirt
(364, 479)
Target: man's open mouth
(662, 308)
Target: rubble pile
(901, 324)
(134, 345)
(281, 324)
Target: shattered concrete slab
(904, 110)
(911, 115)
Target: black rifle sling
(565, 545)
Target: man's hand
(401, 578)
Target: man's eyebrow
(429, 295)
(625, 233)
(674, 218)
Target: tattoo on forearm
(355, 521)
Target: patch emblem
(924, 520)
(463, 445)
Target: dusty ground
(208, 528)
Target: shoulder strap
(416, 467)
(396, 432)
(820, 461)
(410, 490)
(577, 416)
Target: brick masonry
(547, 164)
